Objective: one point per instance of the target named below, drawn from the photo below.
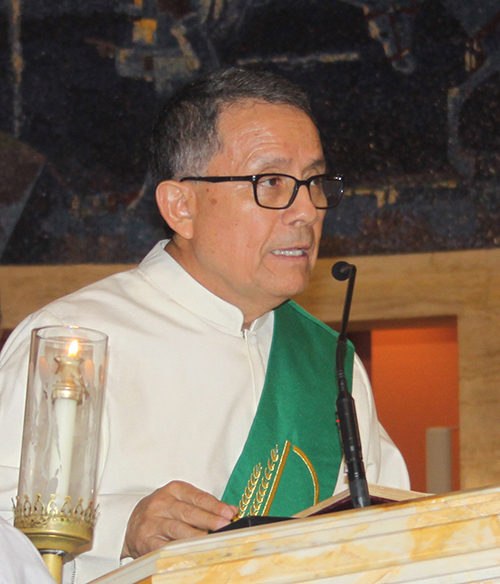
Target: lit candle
(68, 392)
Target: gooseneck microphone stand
(346, 409)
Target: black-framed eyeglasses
(278, 191)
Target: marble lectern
(453, 538)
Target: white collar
(170, 277)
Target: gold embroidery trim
(310, 468)
(261, 493)
(277, 477)
(255, 491)
(249, 491)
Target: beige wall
(465, 285)
(24, 289)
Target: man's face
(252, 257)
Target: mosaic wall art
(406, 93)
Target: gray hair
(185, 134)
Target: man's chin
(291, 290)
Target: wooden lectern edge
(141, 570)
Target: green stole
(292, 455)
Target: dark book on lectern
(342, 501)
(339, 502)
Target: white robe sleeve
(20, 562)
(384, 464)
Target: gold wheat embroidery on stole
(269, 481)
(261, 493)
(249, 491)
(277, 477)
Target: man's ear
(176, 203)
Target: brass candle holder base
(55, 532)
(54, 563)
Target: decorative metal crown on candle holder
(55, 504)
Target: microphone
(346, 409)
(342, 270)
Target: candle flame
(73, 348)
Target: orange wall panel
(414, 374)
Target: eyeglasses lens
(276, 191)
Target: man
(217, 387)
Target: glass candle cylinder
(57, 480)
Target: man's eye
(270, 181)
(316, 181)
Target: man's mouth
(295, 252)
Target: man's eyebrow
(280, 161)
(321, 162)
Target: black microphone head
(341, 270)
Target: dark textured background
(73, 159)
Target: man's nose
(302, 208)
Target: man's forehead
(255, 118)
(317, 164)
(257, 105)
